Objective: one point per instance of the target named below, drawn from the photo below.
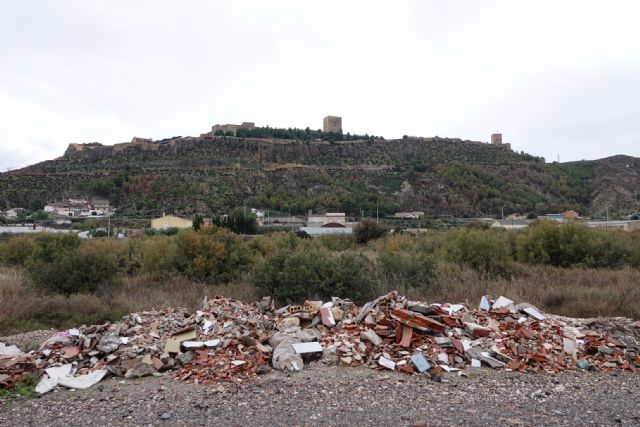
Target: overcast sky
(557, 78)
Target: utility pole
(377, 213)
(502, 211)
(108, 222)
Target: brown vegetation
(59, 280)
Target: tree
(238, 221)
(198, 222)
(369, 230)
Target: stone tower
(332, 124)
(496, 139)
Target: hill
(441, 176)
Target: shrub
(369, 230)
(313, 274)
(16, 250)
(485, 251)
(212, 255)
(337, 242)
(60, 264)
(405, 270)
(159, 255)
(239, 222)
(574, 244)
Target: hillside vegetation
(436, 175)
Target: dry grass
(24, 308)
(570, 292)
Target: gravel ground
(339, 396)
(29, 340)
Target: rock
(371, 336)
(108, 344)
(140, 370)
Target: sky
(559, 79)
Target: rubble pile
(228, 341)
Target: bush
(212, 255)
(315, 274)
(159, 255)
(574, 244)
(337, 242)
(405, 270)
(239, 222)
(369, 230)
(16, 250)
(60, 264)
(485, 251)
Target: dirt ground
(341, 396)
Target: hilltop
(441, 176)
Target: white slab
(534, 313)
(58, 372)
(389, 364)
(307, 347)
(502, 302)
(193, 344)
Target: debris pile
(228, 341)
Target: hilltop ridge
(437, 175)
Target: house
(511, 224)
(557, 217)
(321, 231)
(12, 213)
(329, 223)
(170, 221)
(325, 220)
(571, 214)
(408, 215)
(70, 212)
(630, 225)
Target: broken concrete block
(384, 362)
(327, 317)
(172, 346)
(192, 345)
(108, 343)
(288, 322)
(420, 362)
(569, 346)
(307, 347)
(371, 336)
(530, 310)
(477, 330)
(9, 350)
(140, 370)
(337, 313)
(501, 302)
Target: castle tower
(332, 124)
(496, 139)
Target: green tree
(369, 230)
(198, 222)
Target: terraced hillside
(437, 175)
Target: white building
(326, 219)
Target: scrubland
(59, 281)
